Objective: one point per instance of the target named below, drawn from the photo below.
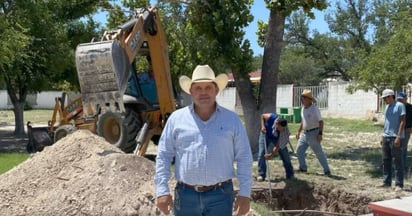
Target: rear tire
(63, 131)
(134, 124)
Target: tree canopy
(37, 46)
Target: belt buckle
(198, 188)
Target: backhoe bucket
(39, 138)
(103, 71)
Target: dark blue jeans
(404, 144)
(283, 153)
(218, 201)
(287, 164)
(391, 153)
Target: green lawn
(10, 160)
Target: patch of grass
(262, 209)
(342, 125)
(351, 125)
(10, 160)
(37, 116)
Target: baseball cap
(401, 95)
(387, 92)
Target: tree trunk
(251, 115)
(18, 99)
(252, 109)
(271, 58)
(19, 119)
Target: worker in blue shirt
(266, 137)
(393, 133)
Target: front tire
(110, 127)
(63, 131)
(118, 130)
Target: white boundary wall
(357, 105)
(43, 100)
(284, 96)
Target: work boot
(260, 179)
(398, 188)
(383, 185)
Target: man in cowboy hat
(205, 139)
(310, 133)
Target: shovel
(268, 175)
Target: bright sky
(260, 12)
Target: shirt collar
(192, 107)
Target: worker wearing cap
(393, 132)
(408, 127)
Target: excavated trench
(301, 198)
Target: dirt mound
(81, 174)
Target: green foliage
(286, 7)
(10, 160)
(335, 53)
(257, 62)
(221, 24)
(38, 46)
(297, 68)
(390, 63)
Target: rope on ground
(310, 211)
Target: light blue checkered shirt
(205, 151)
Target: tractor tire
(133, 126)
(110, 126)
(118, 130)
(63, 131)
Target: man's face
(204, 93)
(402, 100)
(279, 127)
(305, 100)
(388, 99)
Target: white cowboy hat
(203, 73)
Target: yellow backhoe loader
(114, 102)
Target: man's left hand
(242, 205)
(320, 138)
(269, 156)
(397, 142)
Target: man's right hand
(165, 203)
(263, 130)
(298, 135)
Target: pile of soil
(81, 174)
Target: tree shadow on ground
(373, 156)
(9, 143)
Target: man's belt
(311, 129)
(201, 188)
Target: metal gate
(320, 93)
